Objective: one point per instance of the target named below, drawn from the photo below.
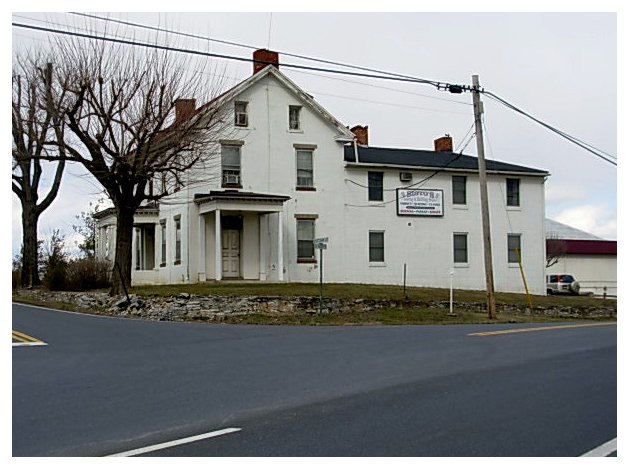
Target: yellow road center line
(542, 328)
(17, 337)
(23, 337)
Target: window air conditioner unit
(405, 177)
(241, 118)
(231, 179)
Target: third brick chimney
(444, 143)
(361, 131)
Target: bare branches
(37, 128)
(556, 250)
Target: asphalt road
(106, 385)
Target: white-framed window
(304, 165)
(305, 235)
(376, 246)
(294, 117)
(178, 239)
(514, 248)
(375, 185)
(459, 190)
(240, 114)
(230, 165)
(512, 189)
(163, 242)
(460, 248)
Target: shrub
(87, 274)
(54, 262)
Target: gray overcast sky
(559, 67)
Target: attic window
(294, 117)
(240, 114)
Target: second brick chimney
(264, 57)
(184, 108)
(361, 131)
(444, 143)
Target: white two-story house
(289, 173)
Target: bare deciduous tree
(130, 128)
(37, 126)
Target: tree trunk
(30, 273)
(121, 275)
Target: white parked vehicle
(562, 283)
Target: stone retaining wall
(199, 307)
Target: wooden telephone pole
(485, 212)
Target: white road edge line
(602, 450)
(168, 444)
(28, 344)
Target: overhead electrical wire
(220, 56)
(585, 146)
(384, 75)
(288, 54)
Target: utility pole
(485, 212)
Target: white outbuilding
(289, 173)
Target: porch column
(280, 250)
(217, 245)
(202, 249)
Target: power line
(317, 92)
(138, 25)
(288, 54)
(222, 56)
(383, 74)
(585, 146)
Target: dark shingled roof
(428, 158)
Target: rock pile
(186, 307)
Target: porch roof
(244, 201)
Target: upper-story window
(375, 185)
(230, 165)
(512, 187)
(294, 117)
(304, 165)
(459, 190)
(240, 114)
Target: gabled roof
(429, 159)
(344, 134)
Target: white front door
(231, 253)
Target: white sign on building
(420, 202)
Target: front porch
(240, 236)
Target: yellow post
(520, 265)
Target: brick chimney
(184, 108)
(361, 131)
(444, 143)
(267, 56)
